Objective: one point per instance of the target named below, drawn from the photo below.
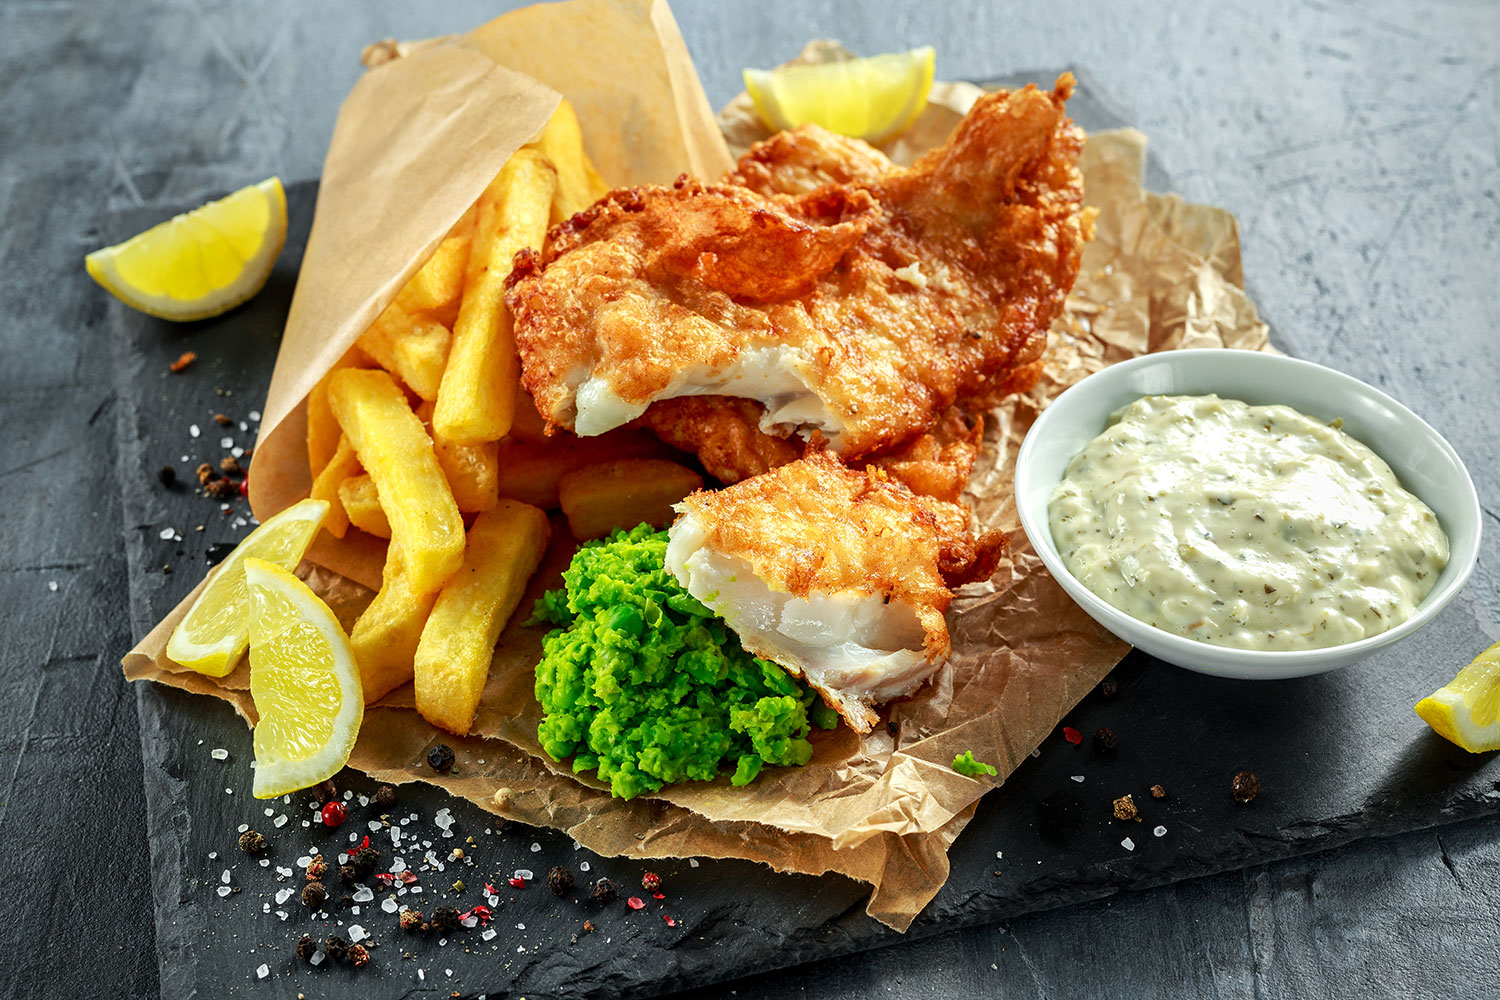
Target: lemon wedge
(217, 627)
(304, 681)
(201, 263)
(870, 99)
(1466, 710)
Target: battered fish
(840, 575)
(857, 311)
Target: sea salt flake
(265, 862)
(226, 442)
(317, 958)
(692, 863)
(304, 861)
(535, 847)
(1128, 844)
(263, 971)
(524, 873)
(390, 905)
(282, 895)
(357, 933)
(363, 894)
(443, 818)
(374, 825)
(237, 451)
(224, 890)
(1160, 831)
(225, 877)
(583, 866)
(193, 430)
(489, 934)
(279, 822)
(1077, 777)
(212, 855)
(166, 534)
(243, 827)
(254, 414)
(52, 585)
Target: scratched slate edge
(1318, 793)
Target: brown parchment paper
(1161, 274)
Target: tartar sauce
(1256, 527)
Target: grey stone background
(1357, 143)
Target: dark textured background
(1355, 142)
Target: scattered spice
(346, 902)
(440, 758)
(359, 956)
(167, 476)
(334, 813)
(560, 880)
(230, 466)
(325, 792)
(220, 489)
(364, 862)
(444, 919)
(222, 420)
(588, 927)
(651, 882)
(635, 902)
(385, 796)
(1125, 808)
(1105, 742)
(1158, 792)
(480, 913)
(205, 474)
(1244, 787)
(347, 874)
(305, 948)
(317, 868)
(1072, 735)
(336, 947)
(314, 895)
(605, 891)
(252, 842)
(411, 920)
(458, 854)
(458, 885)
(183, 360)
(1109, 687)
(516, 882)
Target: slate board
(1339, 756)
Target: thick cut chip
(599, 498)
(343, 465)
(214, 632)
(578, 183)
(532, 472)
(361, 502)
(453, 659)
(323, 431)
(438, 283)
(473, 470)
(478, 394)
(385, 637)
(410, 346)
(304, 682)
(395, 450)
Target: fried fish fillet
(840, 575)
(858, 310)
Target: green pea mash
(643, 684)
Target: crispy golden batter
(807, 158)
(725, 433)
(937, 464)
(861, 310)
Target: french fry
(410, 346)
(452, 662)
(395, 450)
(341, 466)
(438, 283)
(578, 183)
(477, 397)
(599, 498)
(322, 429)
(385, 637)
(361, 502)
(531, 472)
(473, 470)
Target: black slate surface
(1339, 758)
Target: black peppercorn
(326, 792)
(1105, 742)
(167, 476)
(440, 758)
(385, 796)
(1109, 687)
(364, 862)
(444, 919)
(346, 902)
(1244, 787)
(314, 895)
(305, 948)
(252, 842)
(560, 880)
(336, 947)
(347, 875)
(605, 891)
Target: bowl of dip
(1246, 514)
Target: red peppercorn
(635, 903)
(651, 882)
(1072, 735)
(517, 882)
(334, 813)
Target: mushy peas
(1255, 527)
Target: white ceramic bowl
(1425, 463)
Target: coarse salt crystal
(535, 847)
(243, 827)
(489, 934)
(263, 971)
(421, 974)
(193, 430)
(374, 825)
(521, 949)
(270, 812)
(282, 914)
(254, 414)
(363, 894)
(212, 855)
(219, 753)
(443, 818)
(225, 877)
(1037, 752)
(279, 822)
(583, 866)
(282, 895)
(416, 888)
(524, 873)
(1128, 844)
(1160, 831)
(1077, 777)
(692, 862)
(442, 942)
(1000, 854)
(317, 958)
(357, 933)
(52, 585)
(493, 900)
(470, 921)
(354, 910)
(398, 865)
(265, 862)
(389, 905)
(520, 927)
(450, 973)
(229, 791)
(237, 451)
(265, 907)
(166, 534)
(304, 861)
(306, 823)
(224, 890)
(226, 442)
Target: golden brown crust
(725, 433)
(652, 283)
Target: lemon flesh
(216, 629)
(871, 99)
(202, 263)
(304, 681)
(1466, 710)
